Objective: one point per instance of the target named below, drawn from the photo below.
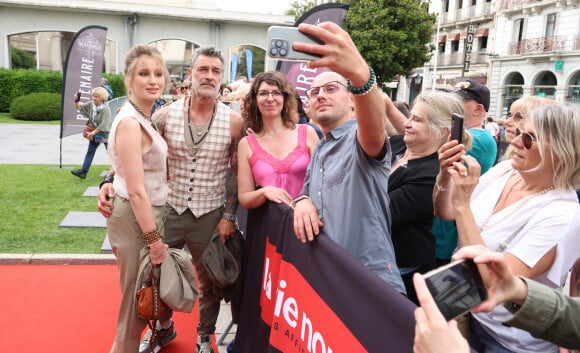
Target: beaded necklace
(147, 117)
(484, 226)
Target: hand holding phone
(456, 287)
(457, 127)
(78, 97)
(280, 40)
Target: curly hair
(251, 114)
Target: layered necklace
(147, 117)
(202, 131)
(484, 226)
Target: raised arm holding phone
(346, 181)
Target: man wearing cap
(484, 149)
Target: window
(518, 32)
(482, 44)
(455, 46)
(442, 47)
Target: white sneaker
(204, 345)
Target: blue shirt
(349, 190)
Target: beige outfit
(124, 232)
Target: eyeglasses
(527, 138)
(517, 116)
(265, 94)
(329, 87)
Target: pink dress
(287, 173)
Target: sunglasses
(527, 138)
(517, 116)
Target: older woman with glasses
(273, 159)
(525, 207)
(412, 180)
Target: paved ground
(41, 144)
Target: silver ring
(464, 173)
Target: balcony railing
(511, 4)
(543, 44)
(467, 13)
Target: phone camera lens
(283, 52)
(279, 43)
(273, 51)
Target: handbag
(87, 130)
(149, 303)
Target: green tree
(258, 56)
(21, 59)
(300, 7)
(394, 36)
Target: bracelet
(363, 90)
(109, 178)
(152, 236)
(298, 199)
(439, 187)
(230, 217)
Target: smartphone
(280, 40)
(456, 287)
(457, 127)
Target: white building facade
(519, 47)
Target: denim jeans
(90, 155)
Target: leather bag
(149, 303)
(88, 129)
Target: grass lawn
(6, 118)
(35, 200)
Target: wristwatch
(512, 307)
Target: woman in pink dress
(272, 161)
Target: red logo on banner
(299, 318)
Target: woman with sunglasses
(273, 158)
(516, 117)
(525, 207)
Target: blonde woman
(138, 155)
(412, 180)
(516, 117)
(525, 207)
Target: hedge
(37, 107)
(20, 82)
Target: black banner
(314, 297)
(82, 72)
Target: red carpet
(69, 308)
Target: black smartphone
(456, 287)
(280, 39)
(457, 127)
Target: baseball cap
(472, 90)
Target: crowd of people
(383, 180)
